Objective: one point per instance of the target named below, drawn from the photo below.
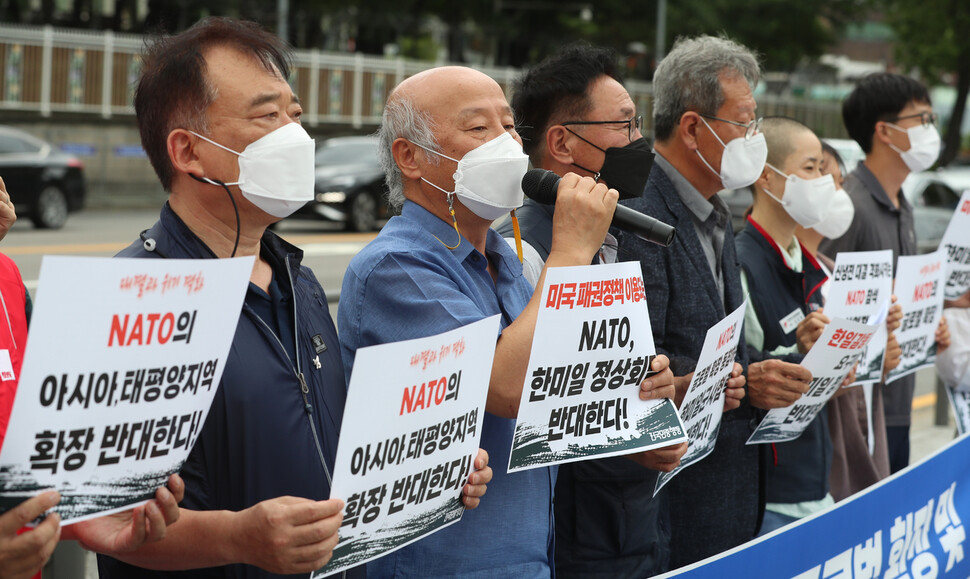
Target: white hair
(402, 120)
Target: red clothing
(13, 334)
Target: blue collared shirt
(406, 284)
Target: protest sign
(592, 348)
(919, 287)
(830, 360)
(411, 429)
(960, 403)
(704, 402)
(908, 525)
(123, 360)
(956, 243)
(862, 284)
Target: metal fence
(47, 70)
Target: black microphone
(542, 186)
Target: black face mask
(625, 168)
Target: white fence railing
(47, 70)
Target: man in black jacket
(575, 116)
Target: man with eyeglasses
(575, 116)
(707, 139)
(891, 117)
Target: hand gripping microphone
(542, 186)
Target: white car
(933, 201)
(956, 176)
(849, 150)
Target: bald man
(257, 493)
(438, 266)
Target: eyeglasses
(926, 118)
(750, 129)
(633, 125)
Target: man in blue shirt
(221, 127)
(439, 266)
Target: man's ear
(690, 123)
(404, 153)
(182, 154)
(762, 182)
(881, 133)
(558, 146)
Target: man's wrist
(567, 257)
(230, 532)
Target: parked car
(956, 176)
(43, 182)
(933, 202)
(350, 185)
(849, 150)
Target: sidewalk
(925, 437)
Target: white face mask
(839, 216)
(742, 161)
(924, 146)
(489, 177)
(806, 200)
(276, 170)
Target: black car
(43, 182)
(350, 185)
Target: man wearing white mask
(454, 163)
(221, 127)
(707, 138)
(891, 117)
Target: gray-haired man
(706, 139)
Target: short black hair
(174, 91)
(879, 97)
(558, 88)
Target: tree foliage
(933, 37)
(508, 32)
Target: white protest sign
(703, 404)
(956, 243)
(830, 360)
(411, 429)
(862, 283)
(123, 360)
(960, 402)
(919, 289)
(592, 348)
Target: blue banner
(908, 526)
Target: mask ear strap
(581, 138)
(703, 160)
(235, 208)
(716, 136)
(207, 139)
(454, 221)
